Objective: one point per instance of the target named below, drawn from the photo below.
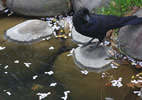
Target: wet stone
(130, 38)
(90, 58)
(28, 31)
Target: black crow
(96, 26)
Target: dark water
(18, 78)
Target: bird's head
(82, 16)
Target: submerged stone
(29, 31)
(130, 39)
(90, 58)
(79, 38)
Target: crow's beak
(86, 18)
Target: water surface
(17, 78)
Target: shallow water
(17, 78)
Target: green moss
(120, 7)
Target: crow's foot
(89, 42)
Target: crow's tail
(132, 21)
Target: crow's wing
(111, 22)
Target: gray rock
(130, 39)
(29, 31)
(90, 58)
(79, 38)
(39, 7)
(90, 4)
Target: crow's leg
(84, 45)
(96, 44)
(91, 47)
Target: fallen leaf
(108, 84)
(138, 66)
(36, 87)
